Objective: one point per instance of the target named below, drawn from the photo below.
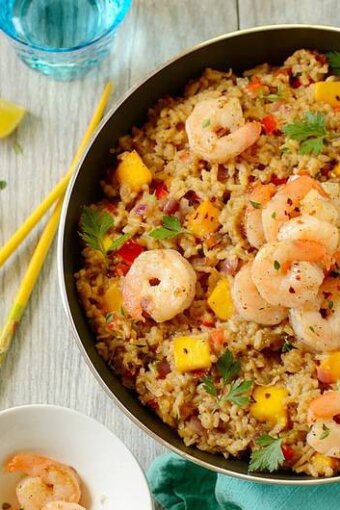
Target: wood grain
(268, 12)
(44, 364)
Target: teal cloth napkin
(181, 485)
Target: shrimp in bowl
(324, 435)
(49, 485)
(217, 131)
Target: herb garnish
(256, 205)
(118, 243)
(18, 148)
(239, 392)
(334, 61)
(170, 229)
(94, 225)
(3, 184)
(206, 123)
(269, 457)
(325, 432)
(287, 346)
(311, 132)
(277, 265)
(228, 368)
(209, 386)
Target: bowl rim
(250, 477)
(122, 13)
(70, 411)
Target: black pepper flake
(291, 290)
(185, 350)
(289, 201)
(277, 265)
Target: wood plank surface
(44, 364)
(269, 12)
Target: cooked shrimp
(217, 130)
(286, 204)
(324, 435)
(260, 195)
(47, 481)
(160, 283)
(309, 228)
(286, 274)
(250, 305)
(324, 209)
(318, 324)
(62, 505)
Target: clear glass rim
(120, 17)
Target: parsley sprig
(334, 61)
(269, 457)
(94, 226)
(239, 392)
(228, 368)
(311, 132)
(171, 228)
(3, 184)
(325, 432)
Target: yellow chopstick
(45, 241)
(60, 188)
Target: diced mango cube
(220, 300)
(112, 299)
(329, 370)
(204, 220)
(324, 463)
(107, 241)
(328, 91)
(270, 405)
(191, 353)
(132, 171)
(337, 169)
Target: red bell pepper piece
(288, 452)
(161, 190)
(130, 251)
(277, 181)
(269, 124)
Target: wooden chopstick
(17, 238)
(45, 241)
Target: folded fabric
(177, 484)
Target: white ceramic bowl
(111, 476)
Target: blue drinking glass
(63, 39)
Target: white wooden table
(44, 364)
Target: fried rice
(142, 352)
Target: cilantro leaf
(269, 457)
(94, 225)
(239, 392)
(325, 432)
(312, 146)
(3, 184)
(311, 132)
(334, 61)
(170, 229)
(209, 386)
(287, 346)
(227, 366)
(256, 205)
(17, 148)
(118, 243)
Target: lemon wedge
(10, 117)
